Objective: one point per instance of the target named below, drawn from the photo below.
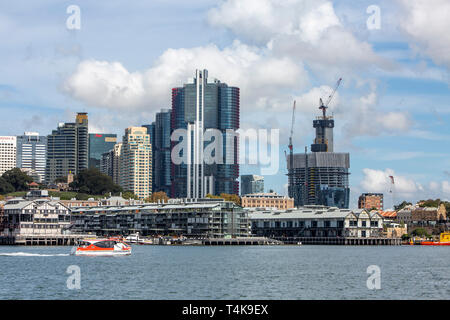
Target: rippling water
(237, 272)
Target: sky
(120, 62)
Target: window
(105, 244)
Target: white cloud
(379, 181)
(365, 118)
(404, 186)
(446, 188)
(253, 70)
(306, 29)
(427, 23)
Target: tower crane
(291, 151)
(323, 106)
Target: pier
(43, 240)
(244, 241)
(345, 241)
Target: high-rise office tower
(110, 163)
(252, 184)
(8, 145)
(196, 107)
(151, 132)
(99, 143)
(160, 139)
(32, 155)
(135, 169)
(68, 148)
(321, 177)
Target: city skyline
(391, 110)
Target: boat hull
(102, 252)
(432, 243)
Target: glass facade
(67, 149)
(220, 106)
(100, 143)
(32, 155)
(252, 184)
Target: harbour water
(236, 272)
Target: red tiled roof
(388, 214)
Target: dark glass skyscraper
(197, 107)
(161, 152)
(251, 183)
(67, 149)
(100, 143)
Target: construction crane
(392, 190)
(323, 106)
(291, 151)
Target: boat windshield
(105, 244)
(83, 244)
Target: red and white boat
(102, 247)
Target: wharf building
(196, 107)
(251, 184)
(161, 151)
(135, 168)
(8, 147)
(202, 218)
(34, 217)
(319, 224)
(68, 149)
(36, 221)
(32, 155)
(100, 143)
(320, 177)
(371, 201)
(267, 200)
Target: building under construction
(320, 177)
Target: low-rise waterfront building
(404, 215)
(316, 221)
(34, 217)
(395, 230)
(204, 218)
(388, 214)
(428, 215)
(267, 200)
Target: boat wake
(27, 254)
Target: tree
(61, 180)
(430, 203)
(159, 195)
(420, 232)
(227, 197)
(18, 179)
(5, 186)
(402, 205)
(92, 181)
(82, 196)
(129, 195)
